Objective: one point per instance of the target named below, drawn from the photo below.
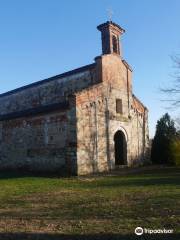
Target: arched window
(115, 44)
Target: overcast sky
(42, 38)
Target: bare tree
(173, 92)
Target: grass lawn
(102, 207)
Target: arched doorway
(120, 147)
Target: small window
(119, 106)
(115, 44)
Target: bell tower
(110, 35)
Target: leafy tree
(161, 147)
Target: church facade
(83, 121)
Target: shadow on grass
(44, 236)
(166, 176)
(169, 180)
(9, 174)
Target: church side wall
(137, 138)
(39, 143)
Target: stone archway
(120, 148)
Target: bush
(175, 151)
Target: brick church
(83, 121)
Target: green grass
(90, 205)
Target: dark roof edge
(108, 23)
(62, 75)
(35, 111)
(127, 65)
(139, 101)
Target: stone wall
(91, 130)
(39, 143)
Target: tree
(177, 123)
(173, 92)
(165, 134)
(175, 150)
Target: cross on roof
(110, 13)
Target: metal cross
(110, 13)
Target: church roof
(108, 23)
(138, 105)
(62, 75)
(127, 65)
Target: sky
(42, 38)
